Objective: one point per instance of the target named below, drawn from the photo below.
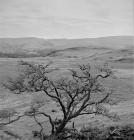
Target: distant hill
(112, 42)
(10, 47)
(23, 44)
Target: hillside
(28, 47)
(67, 54)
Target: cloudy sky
(66, 18)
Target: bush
(7, 112)
(109, 133)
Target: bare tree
(80, 94)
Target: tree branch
(87, 113)
(59, 101)
(82, 106)
(107, 75)
(50, 120)
(41, 130)
(12, 121)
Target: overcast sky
(66, 18)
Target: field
(117, 52)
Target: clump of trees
(81, 93)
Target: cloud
(68, 18)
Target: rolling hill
(66, 54)
(33, 45)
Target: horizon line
(67, 38)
